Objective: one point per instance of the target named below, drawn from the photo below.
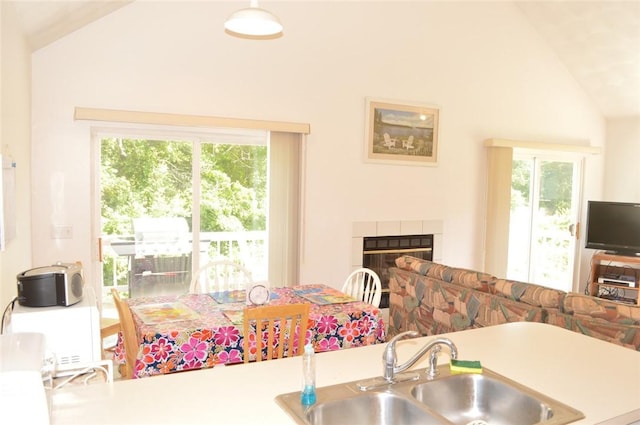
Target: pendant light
(253, 21)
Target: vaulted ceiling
(598, 41)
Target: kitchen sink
(465, 399)
(378, 408)
(345, 404)
(488, 398)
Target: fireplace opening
(379, 253)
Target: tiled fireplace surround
(364, 229)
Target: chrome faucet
(390, 357)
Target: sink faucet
(390, 357)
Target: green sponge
(465, 366)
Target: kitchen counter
(598, 378)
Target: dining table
(195, 331)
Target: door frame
(578, 161)
(197, 137)
(497, 207)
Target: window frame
(285, 182)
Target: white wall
(622, 165)
(480, 62)
(15, 133)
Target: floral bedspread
(195, 331)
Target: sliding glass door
(543, 219)
(168, 205)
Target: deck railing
(125, 261)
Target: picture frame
(402, 133)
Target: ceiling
(598, 41)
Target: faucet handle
(389, 355)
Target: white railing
(248, 248)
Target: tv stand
(622, 254)
(615, 277)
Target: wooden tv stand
(603, 265)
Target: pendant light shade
(253, 21)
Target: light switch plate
(61, 231)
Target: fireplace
(380, 252)
(394, 238)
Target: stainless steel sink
(372, 409)
(490, 399)
(469, 399)
(345, 404)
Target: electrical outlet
(61, 232)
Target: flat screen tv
(614, 227)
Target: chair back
(282, 324)
(364, 284)
(108, 327)
(220, 275)
(129, 335)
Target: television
(614, 227)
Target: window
(272, 164)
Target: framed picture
(401, 133)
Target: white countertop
(598, 378)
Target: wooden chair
(220, 275)
(108, 327)
(364, 284)
(129, 335)
(287, 318)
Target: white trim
(539, 146)
(171, 133)
(157, 118)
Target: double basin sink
(459, 399)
